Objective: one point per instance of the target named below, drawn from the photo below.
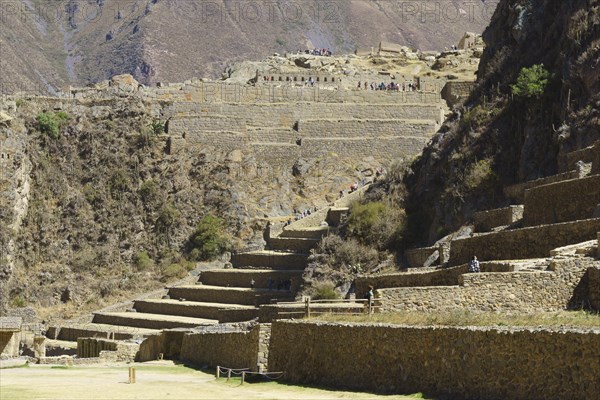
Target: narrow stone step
(309, 232)
(192, 309)
(243, 277)
(71, 332)
(150, 321)
(299, 245)
(228, 295)
(270, 259)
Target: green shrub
(18, 302)
(531, 82)
(119, 182)
(157, 127)
(149, 191)
(349, 257)
(50, 123)
(480, 176)
(167, 217)
(209, 240)
(324, 291)
(143, 261)
(376, 224)
(173, 271)
(479, 116)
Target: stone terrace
(539, 256)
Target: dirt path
(156, 380)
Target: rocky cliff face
(46, 46)
(497, 139)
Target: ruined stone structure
(10, 336)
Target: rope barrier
(243, 372)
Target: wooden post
(228, 375)
(218, 374)
(243, 377)
(131, 375)
(307, 307)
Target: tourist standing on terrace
(474, 265)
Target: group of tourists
(392, 86)
(317, 52)
(298, 215)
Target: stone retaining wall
(596, 159)
(236, 349)
(236, 315)
(179, 308)
(562, 287)
(487, 220)
(455, 92)
(210, 123)
(373, 128)
(561, 202)
(418, 257)
(568, 161)
(517, 192)
(108, 350)
(308, 233)
(72, 332)
(242, 278)
(219, 92)
(383, 140)
(9, 344)
(272, 260)
(465, 363)
(300, 245)
(594, 288)
(336, 216)
(166, 344)
(225, 295)
(523, 243)
(286, 114)
(436, 277)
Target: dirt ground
(156, 380)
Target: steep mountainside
(45, 45)
(500, 138)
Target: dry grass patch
(576, 319)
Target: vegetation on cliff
(109, 214)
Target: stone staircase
(258, 278)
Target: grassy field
(155, 380)
(575, 319)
